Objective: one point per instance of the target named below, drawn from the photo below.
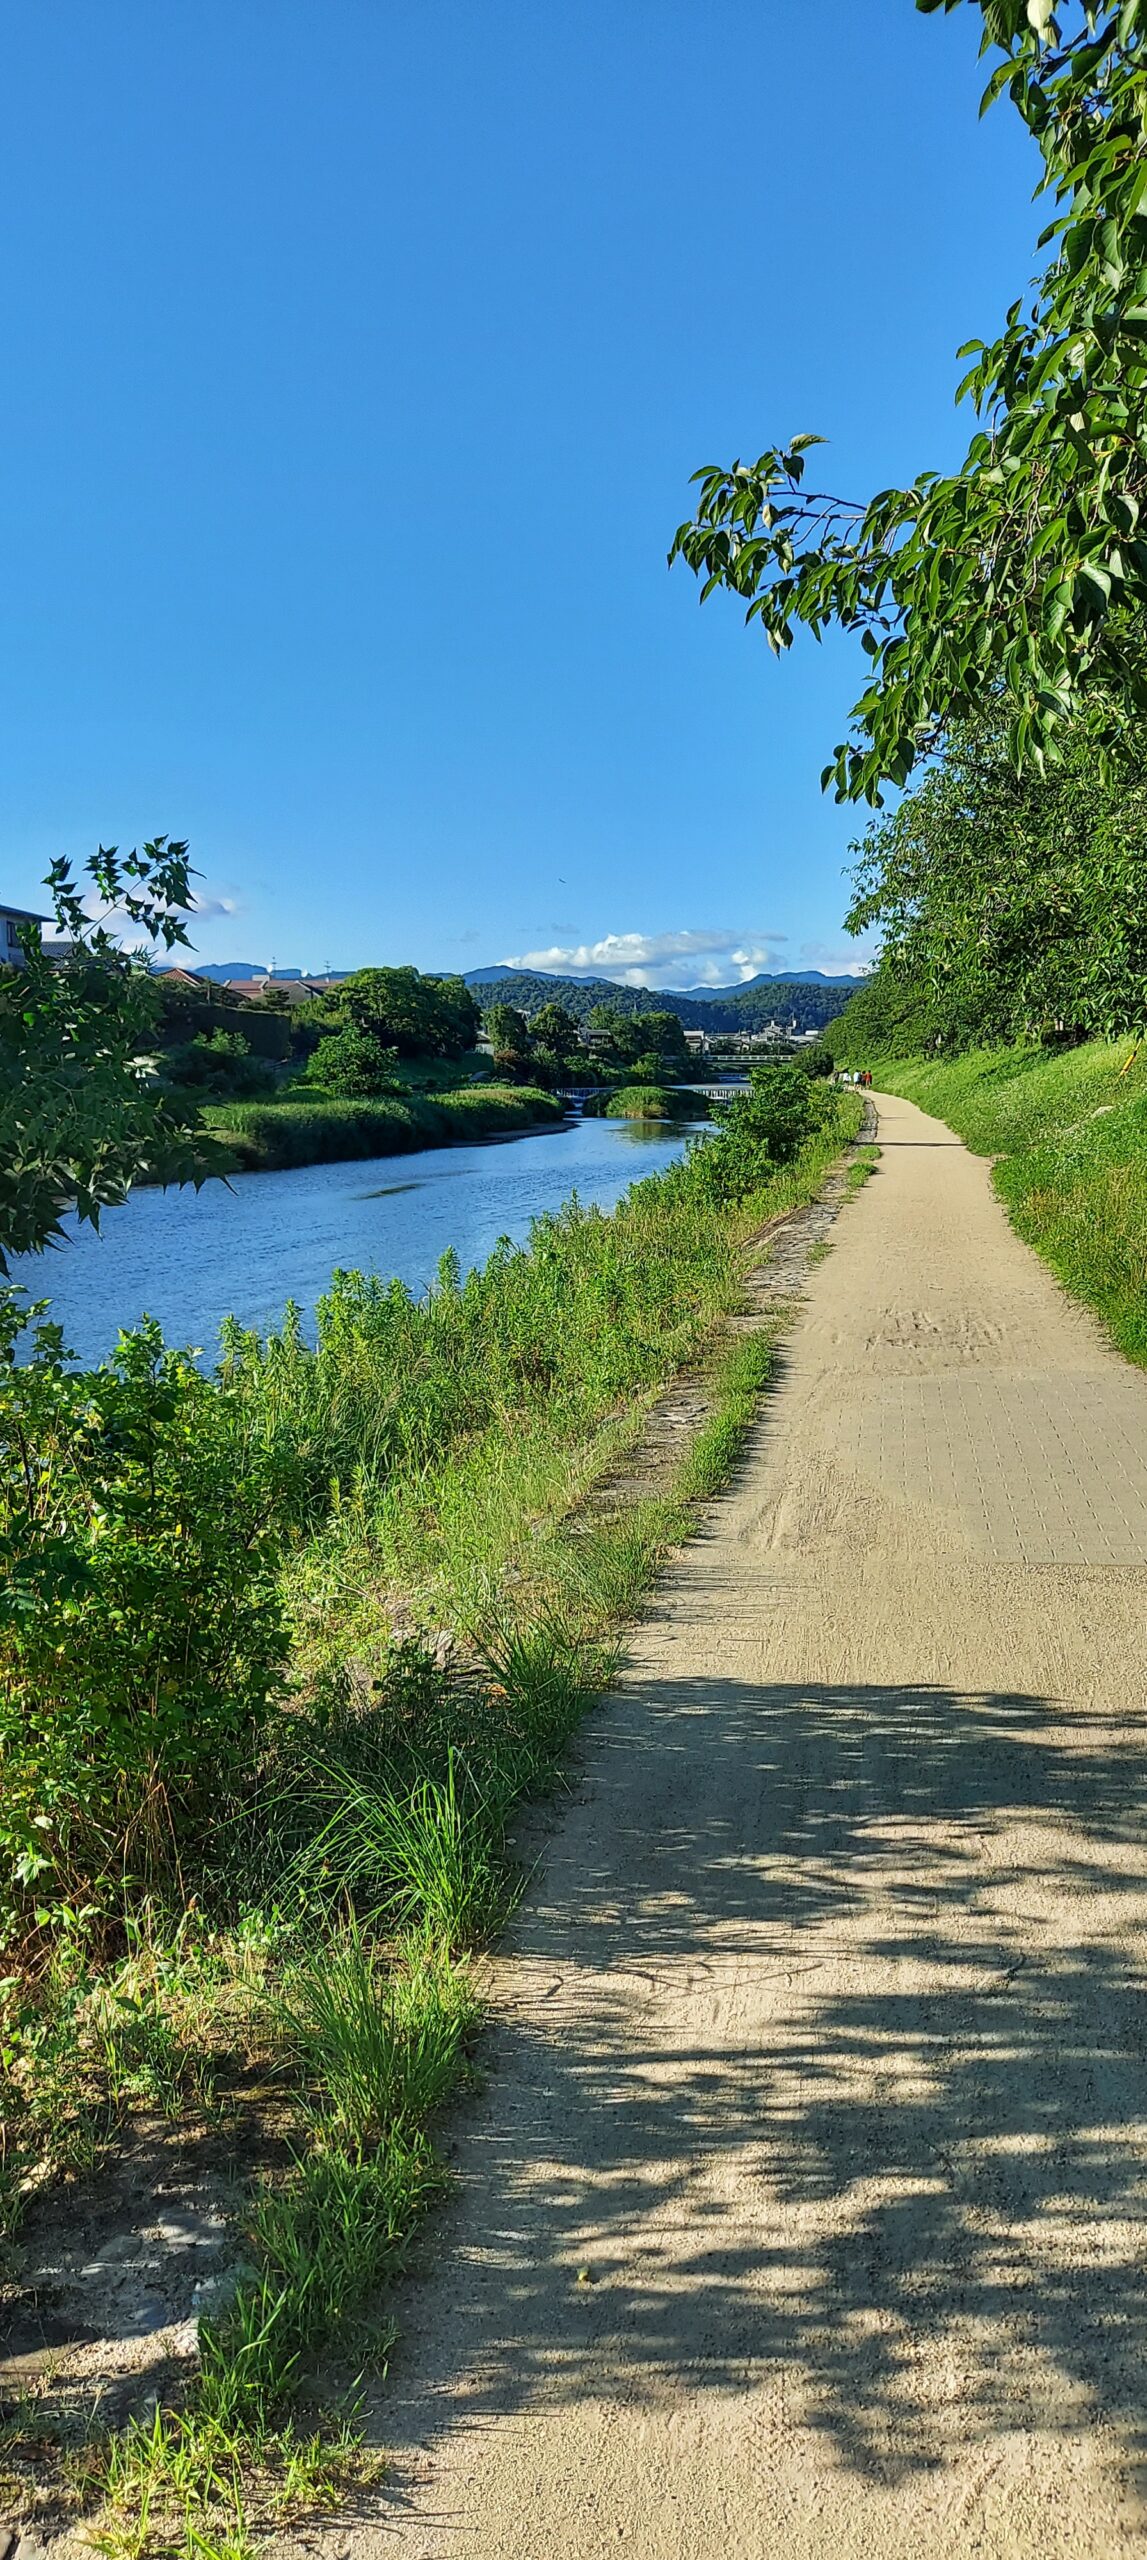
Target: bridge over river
(577, 1095)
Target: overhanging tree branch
(1009, 574)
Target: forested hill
(775, 999)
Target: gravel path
(804, 2211)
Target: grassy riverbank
(1068, 1132)
(264, 1754)
(266, 1137)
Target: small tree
(82, 1115)
(510, 1038)
(353, 1064)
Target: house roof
(23, 915)
(296, 990)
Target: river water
(192, 1258)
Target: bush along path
(285, 1651)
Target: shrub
(353, 1065)
(220, 1062)
(639, 1102)
(766, 1126)
(141, 1635)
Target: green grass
(423, 1854)
(1068, 1133)
(378, 2043)
(270, 1136)
(648, 1102)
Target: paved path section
(803, 2216)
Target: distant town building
(13, 921)
(288, 990)
(697, 1043)
(281, 990)
(744, 1042)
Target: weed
(322, 2245)
(423, 1855)
(191, 2488)
(379, 2048)
(860, 1171)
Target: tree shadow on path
(826, 2061)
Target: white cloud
(207, 905)
(851, 961)
(705, 958)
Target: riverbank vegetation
(303, 1128)
(649, 1102)
(284, 1650)
(381, 1063)
(645, 1047)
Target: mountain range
(702, 995)
(805, 997)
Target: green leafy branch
(81, 1117)
(1012, 574)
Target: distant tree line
(353, 1040)
(548, 1050)
(1010, 905)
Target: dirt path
(822, 2048)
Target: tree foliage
(1009, 574)
(1008, 906)
(400, 1009)
(81, 1115)
(353, 1064)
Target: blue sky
(357, 356)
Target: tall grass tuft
(423, 1854)
(378, 2044)
(323, 2244)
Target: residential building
(282, 990)
(13, 920)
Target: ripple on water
(245, 1248)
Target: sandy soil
(804, 2211)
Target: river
(190, 1258)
